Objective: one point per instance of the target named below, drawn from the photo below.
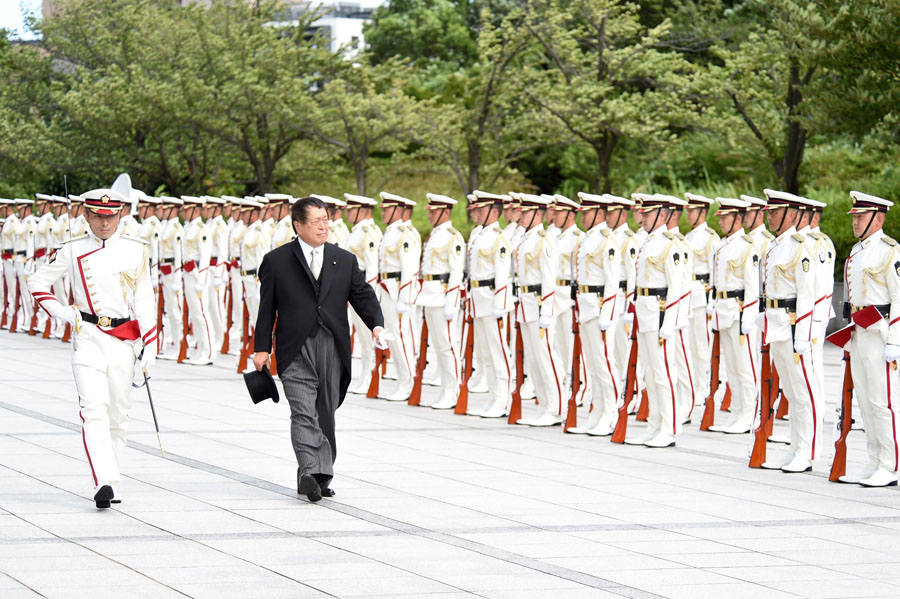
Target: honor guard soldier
(151, 232)
(790, 300)
(170, 277)
(58, 234)
(398, 263)
(872, 276)
(114, 317)
(537, 269)
(490, 300)
(735, 310)
(824, 254)
(237, 226)
(7, 253)
(255, 243)
(217, 229)
(363, 242)
(197, 253)
(660, 283)
(279, 210)
(597, 266)
(23, 240)
(443, 259)
(129, 225)
(562, 214)
(701, 241)
(43, 241)
(77, 221)
(617, 220)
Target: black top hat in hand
(261, 385)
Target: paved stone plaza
(428, 504)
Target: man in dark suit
(305, 285)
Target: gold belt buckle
(105, 321)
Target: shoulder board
(542, 233)
(798, 237)
(75, 239)
(629, 232)
(815, 235)
(747, 238)
(668, 235)
(136, 239)
(889, 240)
(679, 236)
(454, 231)
(365, 228)
(767, 235)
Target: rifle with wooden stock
(709, 407)
(185, 326)
(13, 325)
(630, 389)
(766, 412)
(515, 410)
(229, 307)
(572, 414)
(839, 464)
(415, 396)
(462, 400)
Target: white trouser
(875, 383)
(701, 350)
(818, 351)
(739, 356)
(61, 291)
(799, 384)
(172, 301)
(490, 343)
(606, 380)
(543, 366)
(27, 300)
(657, 358)
(401, 345)
(237, 307)
(218, 317)
(9, 276)
(564, 342)
(104, 396)
(365, 347)
(621, 346)
(685, 384)
(441, 339)
(198, 313)
(251, 297)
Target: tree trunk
(359, 168)
(604, 147)
(474, 156)
(788, 166)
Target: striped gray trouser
(312, 383)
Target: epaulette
(137, 239)
(542, 232)
(679, 236)
(816, 235)
(668, 235)
(889, 240)
(454, 231)
(747, 238)
(605, 232)
(74, 239)
(767, 235)
(629, 232)
(798, 237)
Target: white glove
(402, 307)
(176, 287)
(628, 318)
(891, 353)
(747, 327)
(498, 314)
(711, 308)
(65, 313)
(199, 287)
(450, 312)
(218, 282)
(604, 325)
(148, 360)
(666, 333)
(545, 321)
(380, 337)
(29, 268)
(801, 347)
(154, 284)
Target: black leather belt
(445, 277)
(590, 289)
(20, 252)
(167, 261)
(702, 278)
(482, 283)
(384, 276)
(531, 289)
(883, 309)
(623, 285)
(563, 282)
(734, 293)
(247, 273)
(103, 321)
(787, 304)
(658, 292)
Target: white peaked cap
(360, 200)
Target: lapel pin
(334, 263)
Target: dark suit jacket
(288, 291)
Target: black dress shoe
(309, 487)
(327, 492)
(103, 496)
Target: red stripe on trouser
(608, 369)
(671, 387)
(887, 375)
(687, 366)
(505, 357)
(555, 376)
(752, 361)
(403, 343)
(452, 350)
(812, 403)
(84, 440)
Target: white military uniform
(236, 231)
(25, 243)
(255, 244)
(58, 236)
(364, 241)
(218, 279)
(490, 300)
(598, 263)
(824, 253)
(790, 300)
(11, 257)
(197, 251)
(443, 260)
(566, 242)
(398, 262)
(659, 283)
(537, 269)
(735, 312)
(872, 277)
(112, 282)
(628, 248)
(170, 269)
(129, 225)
